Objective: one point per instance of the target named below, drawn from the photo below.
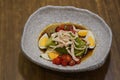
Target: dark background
(15, 66)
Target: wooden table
(15, 66)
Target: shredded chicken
(75, 29)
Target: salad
(65, 43)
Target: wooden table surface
(15, 66)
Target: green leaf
(61, 50)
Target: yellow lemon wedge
(43, 41)
(90, 40)
(82, 33)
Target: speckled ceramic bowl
(51, 14)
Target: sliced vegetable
(80, 52)
(50, 42)
(81, 43)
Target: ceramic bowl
(51, 14)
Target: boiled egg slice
(43, 41)
(82, 33)
(52, 54)
(90, 40)
(45, 56)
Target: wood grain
(15, 66)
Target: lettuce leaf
(61, 50)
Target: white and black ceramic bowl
(51, 14)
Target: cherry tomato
(78, 62)
(64, 63)
(61, 27)
(63, 57)
(58, 29)
(70, 28)
(66, 57)
(73, 31)
(56, 61)
(72, 62)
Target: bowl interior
(50, 14)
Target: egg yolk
(83, 33)
(43, 41)
(91, 41)
(53, 55)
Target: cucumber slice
(80, 53)
(80, 42)
(51, 42)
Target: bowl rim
(97, 65)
